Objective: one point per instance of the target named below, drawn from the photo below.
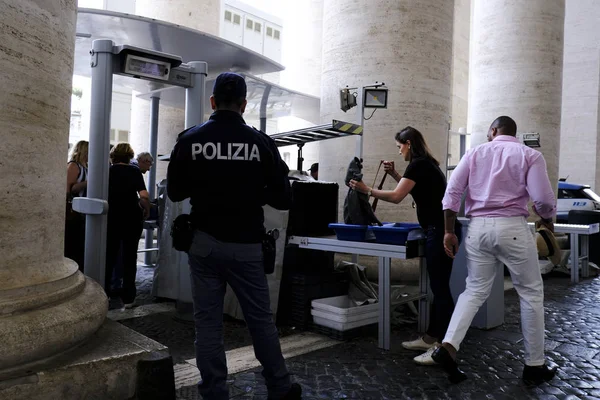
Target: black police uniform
(230, 170)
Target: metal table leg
(385, 302)
(574, 258)
(585, 255)
(425, 300)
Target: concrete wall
(581, 84)
(200, 15)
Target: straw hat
(547, 245)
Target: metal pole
(263, 109)
(463, 144)
(194, 96)
(361, 118)
(149, 235)
(98, 164)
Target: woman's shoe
(425, 358)
(418, 344)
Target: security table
(577, 232)
(385, 253)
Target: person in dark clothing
(426, 182)
(128, 206)
(229, 171)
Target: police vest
(226, 151)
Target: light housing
(375, 98)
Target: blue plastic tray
(353, 233)
(393, 233)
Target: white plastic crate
(343, 326)
(342, 305)
(341, 314)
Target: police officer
(230, 170)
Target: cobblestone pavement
(177, 332)
(357, 369)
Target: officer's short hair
(229, 89)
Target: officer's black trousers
(213, 265)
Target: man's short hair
(314, 167)
(229, 90)
(506, 124)
(145, 156)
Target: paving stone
(492, 359)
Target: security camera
(347, 100)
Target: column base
(53, 328)
(115, 363)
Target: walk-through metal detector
(135, 62)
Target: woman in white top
(76, 187)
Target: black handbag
(269, 249)
(182, 233)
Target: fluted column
(516, 70)
(46, 304)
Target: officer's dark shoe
(537, 375)
(295, 393)
(443, 357)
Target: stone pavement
(357, 369)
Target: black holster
(182, 233)
(269, 249)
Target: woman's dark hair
(418, 147)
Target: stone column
(170, 124)
(580, 94)
(46, 305)
(204, 16)
(516, 70)
(302, 57)
(408, 45)
(460, 75)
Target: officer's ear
(213, 103)
(244, 104)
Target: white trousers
(491, 242)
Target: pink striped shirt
(501, 177)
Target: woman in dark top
(128, 206)
(426, 182)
